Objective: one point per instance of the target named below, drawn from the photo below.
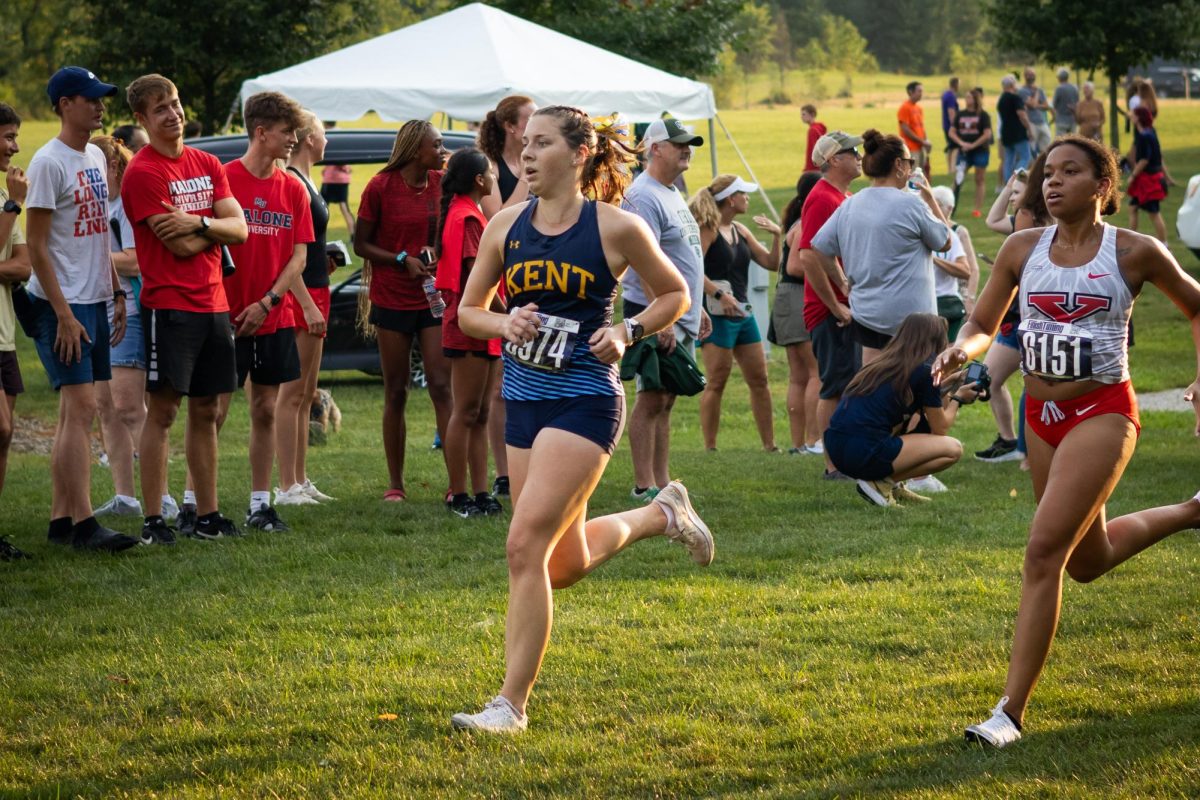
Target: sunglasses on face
(849, 151)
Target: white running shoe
(876, 492)
(817, 449)
(498, 716)
(998, 731)
(689, 530)
(170, 509)
(294, 496)
(116, 507)
(929, 485)
(313, 492)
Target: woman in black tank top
(559, 446)
(295, 398)
(500, 139)
(728, 246)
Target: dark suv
(345, 347)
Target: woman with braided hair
(394, 235)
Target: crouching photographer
(892, 420)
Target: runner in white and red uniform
(1077, 281)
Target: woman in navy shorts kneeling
(891, 422)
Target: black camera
(977, 373)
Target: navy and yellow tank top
(567, 276)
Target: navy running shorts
(597, 418)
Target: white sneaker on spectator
(498, 716)
(816, 449)
(294, 496)
(929, 485)
(689, 530)
(998, 731)
(116, 507)
(313, 492)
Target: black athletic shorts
(334, 193)
(188, 351)
(409, 322)
(270, 359)
(838, 357)
(10, 373)
(868, 337)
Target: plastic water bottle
(437, 306)
(914, 180)
(960, 173)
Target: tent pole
(712, 145)
(762, 192)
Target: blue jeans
(1016, 156)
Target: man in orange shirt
(912, 125)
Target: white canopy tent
(465, 61)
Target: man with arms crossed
(826, 313)
(654, 198)
(14, 268)
(178, 201)
(912, 125)
(73, 277)
(269, 264)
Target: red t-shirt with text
(405, 219)
(815, 131)
(819, 206)
(278, 217)
(194, 183)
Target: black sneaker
(187, 519)
(500, 486)
(1000, 450)
(91, 535)
(266, 519)
(216, 527)
(463, 506)
(488, 504)
(9, 551)
(158, 532)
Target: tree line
(210, 49)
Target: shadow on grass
(1092, 753)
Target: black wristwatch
(12, 207)
(634, 332)
(205, 226)
(717, 295)
(119, 293)
(274, 298)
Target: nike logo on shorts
(1079, 412)
(1095, 275)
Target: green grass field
(832, 650)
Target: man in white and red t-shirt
(73, 277)
(826, 313)
(269, 265)
(178, 201)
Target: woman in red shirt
(394, 235)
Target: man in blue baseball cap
(73, 278)
(77, 82)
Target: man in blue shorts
(73, 278)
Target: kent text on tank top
(1074, 320)
(568, 278)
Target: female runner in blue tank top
(1076, 282)
(561, 256)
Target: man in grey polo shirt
(1036, 108)
(654, 198)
